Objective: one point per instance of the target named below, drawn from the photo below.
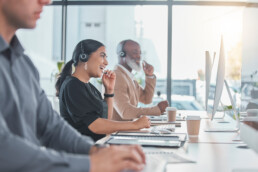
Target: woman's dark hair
(85, 47)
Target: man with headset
(33, 137)
(127, 91)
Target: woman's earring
(86, 66)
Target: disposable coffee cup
(252, 112)
(193, 125)
(171, 114)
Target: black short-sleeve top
(81, 104)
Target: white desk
(215, 158)
(211, 137)
(213, 151)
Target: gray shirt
(33, 137)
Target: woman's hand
(109, 79)
(143, 122)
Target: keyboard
(150, 136)
(148, 141)
(156, 123)
(159, 138)
(179, 117)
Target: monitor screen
(216, 82)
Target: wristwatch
(109, 95)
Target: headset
(83, 56)
(122, 53)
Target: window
(43, 46)
(138, 23)
(249, 82)
(197, 29)
(117, 0)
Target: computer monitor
(208, 67)
(216, 79)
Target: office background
(173, 35)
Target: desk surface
(213, 151)
(215, 158)
(213, 137)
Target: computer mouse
(155, 132)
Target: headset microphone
(83, 57)
(122, 53)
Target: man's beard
(133, 65)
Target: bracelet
(109, 95)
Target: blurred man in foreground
(33, 137)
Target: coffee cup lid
(171, 108)
(193, 117)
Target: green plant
(227, 107)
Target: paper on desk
(169, 156)
(157, 159)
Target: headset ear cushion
(122, 54)
(83, 57)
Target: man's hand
(147, 68)
(163, 105)
(117, 158)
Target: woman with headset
(81, 104)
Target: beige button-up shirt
(128, 93)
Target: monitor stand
(222, 119)
(235, 129)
